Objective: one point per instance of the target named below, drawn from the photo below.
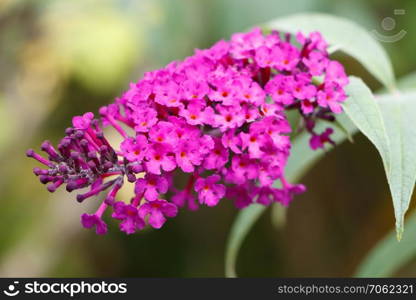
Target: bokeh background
(62, 58)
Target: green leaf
(243, 223)
(339, 126)
(388, 124)
(364, 111)
(399, 112)
(302, 158)
(342, 34)
(388, 255)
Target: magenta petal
(156, 219)
(151, 194)
(144, 210)
(170, 210)
(88, 221)
(101, 227)
(128, 226)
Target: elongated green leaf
(301, 160)
(388, 255)
(243, 223)
(388, 124)
(399, 112)
(375, 264)
(365, 112)
(344, 35)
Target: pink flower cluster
(218, 116)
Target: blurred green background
(61, 58)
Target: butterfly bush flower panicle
(218, 118)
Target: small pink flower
(134, 149)
(319, 140)
(128, 214)
(209, 192)
(197, 114)
(90, 221)
(286, 57)
(280, 89)
(249, 91)
(231, 141)
(162, 133)
(316, 63)
(151, 186)
(229, 117)
(331, 97)
(303, 89)
(335, 73)
(193, 89)
(144, 119)
(264, 57)
(158, 157)
(157, 211)
(217, 157)
(168, 94)
(253, 142)
(223, 93)
(188, 156)
(307, 106)
(243, 168)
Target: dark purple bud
(111, 196)
(107, 166)
(63, 169)
(77, 184)
(63, 147)
(84, 146)
(33, 154)
(46, 178)
(75, 155)
(100, 136)
(69, 131)
(50, 150)
(53, 186)
(131, 177)
(95, 191)
(136, 168)
(79, 134)
(91, 165)
(96, 125)
(38, 171)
